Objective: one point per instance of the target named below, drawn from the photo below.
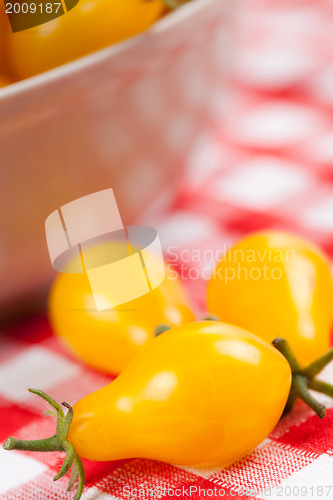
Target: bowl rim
(161, 25)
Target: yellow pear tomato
(201, 394)
(91, 25)
(4, 81)
(108, 340)
(276, 284)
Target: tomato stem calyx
(304, 379)
(58, 442)
(164, 327)
(161, 329)
(175, 4)
(210, 317)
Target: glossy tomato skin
(90, 26)
(5, 30)
(276, 285)
(108, 340)
(2, 38)
(204, 393)
(4, 81)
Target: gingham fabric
(269, 165)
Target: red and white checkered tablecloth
(270, 165)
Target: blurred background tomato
(88, 27)
(5, 78)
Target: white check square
(261, 183)
(312, 482)
(36, 367)
(17, 469)
(319, 216)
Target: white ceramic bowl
(125, 117)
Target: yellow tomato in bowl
(4, 31)
(90, 26)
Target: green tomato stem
(58, 442)
(81, 473)
(67, 463)
(64, 429)
(161, 329)
(210, 317)
(303, 379)
(323, 387)
(283, 346)
(73, 477)
(49, 400)
(316, 367)
(300, 386)
(47, 444)
(175, 4)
